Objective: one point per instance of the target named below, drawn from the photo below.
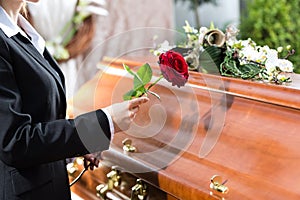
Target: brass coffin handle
(128, 147)
(111, 190)
(72, 167)
(217, 184)
(139, 190)
(113, 178)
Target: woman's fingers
(91, 161)
(135, 109)
(136, 102)
(123, 113)
(133, 112)
(134, 106)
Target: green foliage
(211, 59)
(140, 79)
(274, 23)
(215, 61)
(232, 67)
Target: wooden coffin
(244, 132)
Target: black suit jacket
(35, 137)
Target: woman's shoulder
(3, 38)
(2, 35)
(4, 50)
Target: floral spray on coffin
(209, 50)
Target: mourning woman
(35, 137)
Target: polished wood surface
(245, 131)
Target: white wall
(226, 11)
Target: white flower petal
(285, 65)
(93, 10)
(98, 2)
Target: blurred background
(80, 33)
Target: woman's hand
(91, 161)
(123, 113)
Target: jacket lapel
(54, 66)
(49, 65)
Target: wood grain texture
(256, 148)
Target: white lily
(163, 47)
(92, 7)
(285, 65)
(98, 2)
(93, 10)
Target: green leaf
(210, 60)
(137, 83)
(139, 93)
(128, 70)
(250, 70)
(143, 76)
(129, 95)
(145, 73)
(140, 79)
(141, 89)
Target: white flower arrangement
(273, 68)
(235, 58)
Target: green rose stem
(159, 78)
(151, 85)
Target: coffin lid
(244, 131)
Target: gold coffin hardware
(215, 37)
(113, 181)
(217, 184)
(110, 190)
(72, 167)
(139, 191)
(127, 146)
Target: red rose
(174, 68)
